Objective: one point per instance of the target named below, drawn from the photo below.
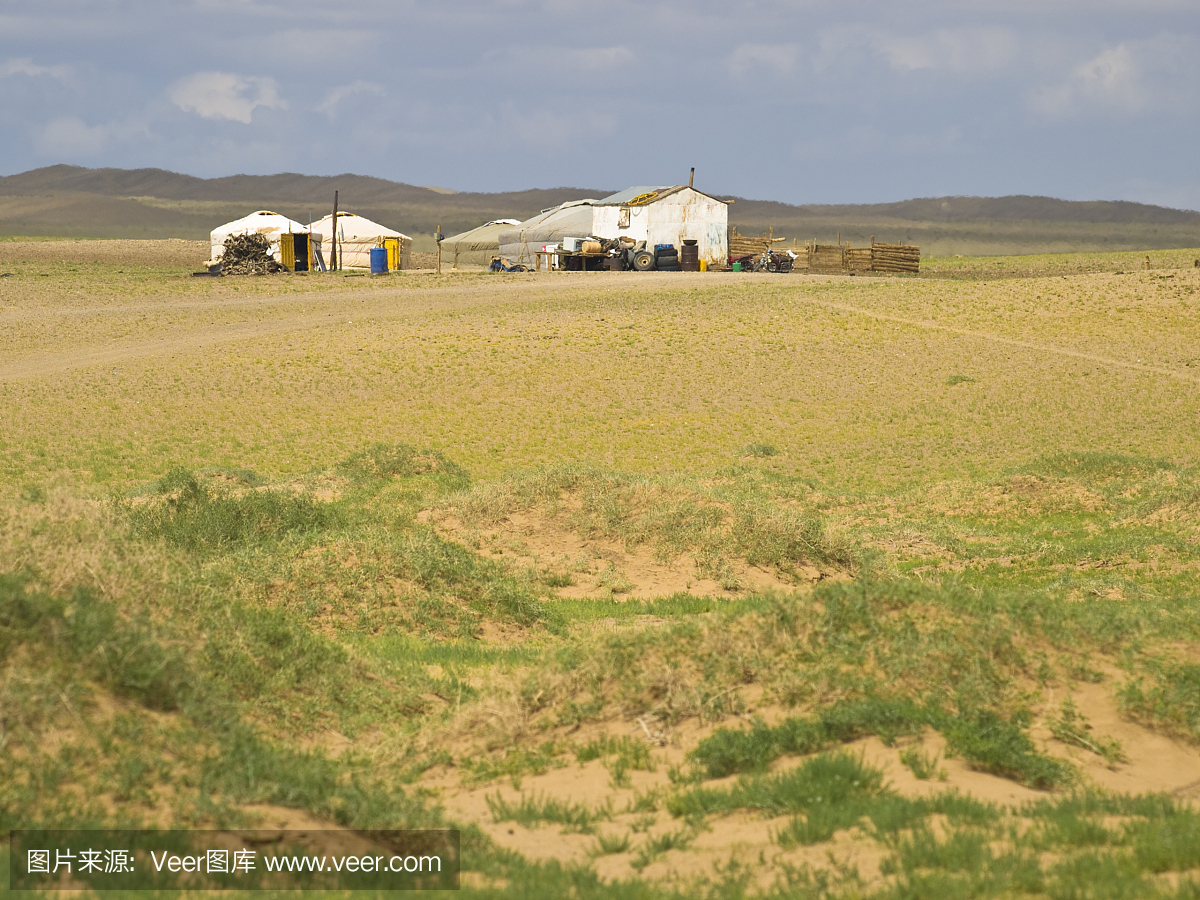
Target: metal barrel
(689, 257)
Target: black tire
(661, 253)
(643, 261)
(669, 269)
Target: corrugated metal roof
(620, 198)
(629, 193)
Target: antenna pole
(333, 260)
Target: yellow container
(392, 245)
(704, 265)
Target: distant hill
(71, 201)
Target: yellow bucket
(704, 265)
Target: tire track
(1011, 342)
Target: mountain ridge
(294, 187)
(74, 201)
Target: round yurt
(520, 243)
(477, 246)
(357, 236)
(271, 224)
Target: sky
(802, 101)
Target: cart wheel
(643, 260)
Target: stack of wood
(826, 259)
(895, 258)
(858, 259)
(833, 259)
(248, 254)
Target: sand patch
(1155, 762)
(590, 567)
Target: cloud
(338, 94)
(563, 59)
(223, 95)
(955, 51)
(866, 141)
(593, 58)
(70, 138)
(1131, 78)
(958, 51)
(549, 130)
(752, 59)
(25, 66)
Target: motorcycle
(769, 261)
(500, 264)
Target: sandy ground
(1154, 764)
(600, 568)
(56, 336)
(133, 253)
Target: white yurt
(476, 247)
(356, 237)
(520, 243)
(272, 224)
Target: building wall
(683, 215)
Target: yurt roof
(352, 226)
(488, 230)
(263, 221)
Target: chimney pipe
(692, 177)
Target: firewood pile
(895, 258)
(248, 254)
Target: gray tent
(477, 246)
(519, 243)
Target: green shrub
(85, 630)
(383, 461)
(197, 518)
(1001, 747)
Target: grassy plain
(656, 585)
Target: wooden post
(692, 177)
(333, 255)
(438, 238)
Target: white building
(666, 215)
(656, 215)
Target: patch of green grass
(653, 847)
(607, 844)
(959, 379)
(516, 762)
(1170, 700)
(761, 450)
(726, 751)
(126, 655)
(381, 462)
(1072, 727)
(921, 764)
(532, 810)
(830, 778)
(992, 744)
(199, 518)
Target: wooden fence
(834, 259)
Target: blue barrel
(379, 261)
